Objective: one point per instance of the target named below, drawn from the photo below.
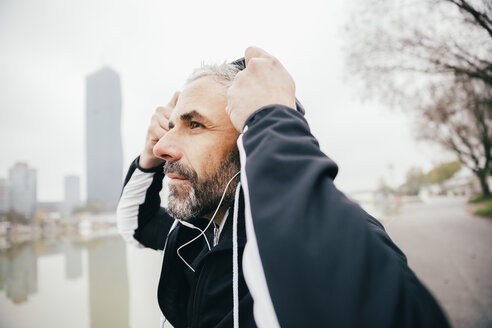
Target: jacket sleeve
(313, 257)
(140, 218)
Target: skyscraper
(104, 153)
(4, 196)
(22, 187)
(72, 193)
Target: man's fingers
(167, 110)
(174, 100)
(164, 110)
(156, 131)
(159, 119)
(159, 133)
(255, 52)
(163, 122)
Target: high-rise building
(4, 196)
(72, 193)
(104, 153)
(22, 187)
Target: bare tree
(460, 120)
(432, 58)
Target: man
(280, 247)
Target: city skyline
(48, 50)
(22, 187)
(18, 193)
(104, 156)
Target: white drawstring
(192, 240)
(235, 260)
(235, 264)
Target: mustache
(179, 168)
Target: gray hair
(224, 73)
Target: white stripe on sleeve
(263, 310)
(132, 197)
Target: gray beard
(198, 198)
(182, 204)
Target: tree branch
(480, 18)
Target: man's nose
(167, 148)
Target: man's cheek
(206, 169)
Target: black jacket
(189, 299)
(313, 258)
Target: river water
(79, 282)
(85, 281)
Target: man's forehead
(202, 98)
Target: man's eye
(195, 125)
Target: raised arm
(313, 257)
(325, 262)
(140, 218)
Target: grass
(485, 211)
(480, 198)
(482, 205)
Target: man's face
(200, 150)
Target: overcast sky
(48, 47)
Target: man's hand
(159, 125)
(263, 82)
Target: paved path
(451, 252)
